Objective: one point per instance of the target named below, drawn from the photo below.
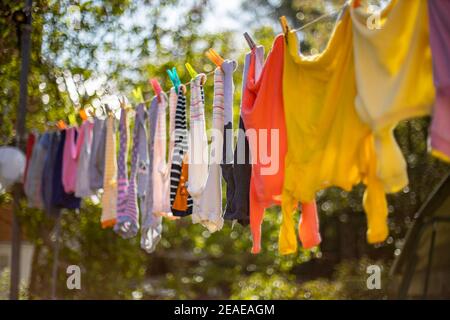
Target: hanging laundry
(161, 169)
(142, 174)
(238, 206)
(82, 186)
(328, 144)
(51, 143)
(263, 115)
(228, 67)
(122, 227)
(97, 158)
(198, 142)
(208, 204)
(151, 229)
(180, 200)
(12, 166)
(128, 219)
(393, 79)
(161, 166)
(33, 182)
(70, 163)
(60, 198)
(31, 140)
(439, 13)
(109, 198)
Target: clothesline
(318, 19)
(326, 15)
(184, 84)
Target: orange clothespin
(83, 114)
(61, 125)
(156, 88)
(215, 58)
(356, 3)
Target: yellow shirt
(328, 144)
(393, 77)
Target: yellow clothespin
(137, 95)
(72, 119)
(285, 27)
(215, 58)
(191, 70)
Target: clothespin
(107, 110)
(61, 125)
(123, 103)
(250, 41)
(137, 94)
(72, 120)
(156, 88)
(191, 70)
(212, 55)
(83, 114)
(285, 27)
(173, 75)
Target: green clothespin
(137, 94)
(173, 75)
(191, 71)
(72, 119)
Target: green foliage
(347, 282)
(4, 286)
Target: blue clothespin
(173, 75)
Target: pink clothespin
(156, 88)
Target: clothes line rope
(184, 84)
(330, 14)
(319, 19)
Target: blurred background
(85, 53)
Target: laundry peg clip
(173, 75)
(137, 95)
(156, 88)
(123, 103)
(250, 41)
(61, 125)
(215, 58)
(83, 115)
(72, 119)
(356, 3)
(191, 70)
(285, 27)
